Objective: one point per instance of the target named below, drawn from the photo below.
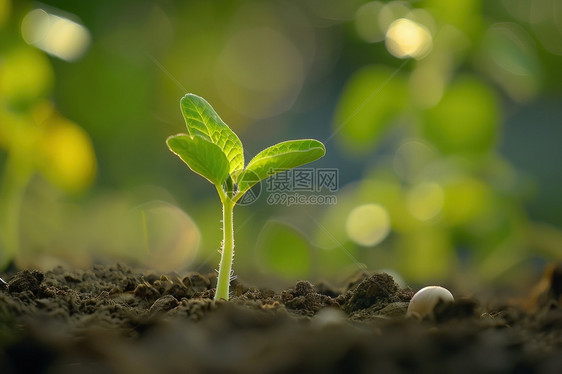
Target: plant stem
(227, 252)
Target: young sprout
(424, 300)
(211, 149)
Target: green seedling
(211, 149)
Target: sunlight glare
(368, 224)
(406, 38)
(56, 35)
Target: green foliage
(458, 144)
(202, 120)
(465, 120)
(35, 138)
(212, 150)
(278, 158)
(203, 157)
(463, 14)
(374, 98)
(25, 77)
(283, 250)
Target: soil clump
(118, 320)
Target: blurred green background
(443, 119)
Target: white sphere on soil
(424, 300)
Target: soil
(113, 319)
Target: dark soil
(117, 320)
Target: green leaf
(202, 156)
(278, 158)
(201, 119)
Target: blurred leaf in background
(466, 119)
(441, 117)
(283, 251)
(371, 102)
(35, 137)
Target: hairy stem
(227, 252)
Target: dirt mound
(115, 319)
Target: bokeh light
(25, 75)
(56, 35)
(367, 22)
(425, 200)
(171, 237)
(69, 159)
(260, 72)
(411, 158)
(406, 38)
(368, 224)
(446, 159)
(392, 11)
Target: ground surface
(112, 319)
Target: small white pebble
(425, 300)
